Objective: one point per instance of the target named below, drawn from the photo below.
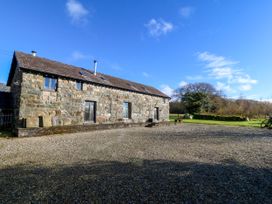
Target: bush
(219, 117)
(187, 116)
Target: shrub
(219, 117)
(187, 116)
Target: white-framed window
(79, 85)
(127, 110)
(50, 83)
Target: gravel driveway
(184, 163)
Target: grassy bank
(252, 123)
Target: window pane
(50, 83)
(156, 113)
(79, 85)
(89, 112)
(46, 82)
(125, 110)
(53, 84)
(129, 110)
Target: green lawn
(172, 117)
(252, 123)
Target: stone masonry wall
(66, 105)
(15, 90)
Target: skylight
(83, 73)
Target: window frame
(157, 113)
(129, 110)
(81, 85)
(52, 83)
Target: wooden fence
(5, 121)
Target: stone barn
(46, 93)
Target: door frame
(157, 113)
(94, 109)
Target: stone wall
(66, 105)
(32, 132)
(15, 90)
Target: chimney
(95, 66)
(34, 53)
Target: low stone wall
(30, 132)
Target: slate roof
(42, 65)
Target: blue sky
(163, 43)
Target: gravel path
(187, 163)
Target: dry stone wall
(66, 105)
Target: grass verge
(172, 117)
(251, 123)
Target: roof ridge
(55, 61)
(42, 64)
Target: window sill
(127, 120)
(50, 90)
(89, 122)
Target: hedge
(219, 117)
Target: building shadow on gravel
(139, 181)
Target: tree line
(204, 98)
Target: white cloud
(245, 87)
(186, 12)
(220, 68)
(182, 83)
(221, 72)
(145, 74)
(157, 28)
(246, 79)
(76, 55)
(77, 12)
(224, 87)
(166, 89)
